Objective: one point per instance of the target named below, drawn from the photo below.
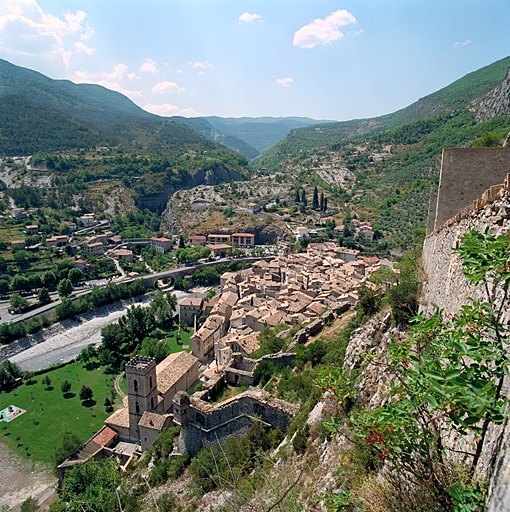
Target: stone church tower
(142, 390)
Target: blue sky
(324, 59)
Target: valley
(302, 350)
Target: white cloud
(115, 86)
(120, 73)
(200, 65)
(458, 44)
(35, 30)
(167, 110)
(248, 18)
(285, 82)
(149, 66)
(323, 31)
(166, 86)
(82, 48)
(113, 80)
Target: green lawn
(49, 415)
(171, 339)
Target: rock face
(372, 338)
(448, 289)
(494, 103)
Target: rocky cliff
(494, 103)
(448, 289)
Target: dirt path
(329, 333)
(117, 385)
(21, 479)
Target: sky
(323, 59)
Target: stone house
(57, 241)
(189, 309)
(162, 244)
(197, 240)
(218, 239)
(94, 249)
(124, 255)
(243, 240)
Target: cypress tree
(315, 201)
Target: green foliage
(152, 347)
(18, 303)
(86, 393)
(449, 380)
(66, 309)
(488, 140)
(369, 303)
(9, 372)
(226, 466)
(206, 276)
(91, 487)
(44, 296)
(270, 343)
(403, 297)
(65, 386)
(263, 372)
(70, 444)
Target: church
(150, 391)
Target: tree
(488, 140)
(75, 275)
(49, 279)
(303, 198)
(162, 309)
(315, 200)
(9, 372)
(65, 310)
(91, 487)
(65, 287)
(88, 353)
(152, 347)
(86, 393)
(18, 303)
(70, 444)
(20, 282)
(44, 296)
(4, 286)
(65, 386)
(46, 381)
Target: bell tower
(142, 390)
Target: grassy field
(171, 340)
(35, 434)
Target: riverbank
(64, 340)
(21, 479)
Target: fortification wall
(447, 288)
(445, 285)
(203, 424)
(465, 174)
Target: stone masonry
(204, 424)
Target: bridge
(148, 281)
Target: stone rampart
(203, 424)
(465, 174)
(447, 288)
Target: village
(297, 291)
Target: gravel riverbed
(63, 341)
